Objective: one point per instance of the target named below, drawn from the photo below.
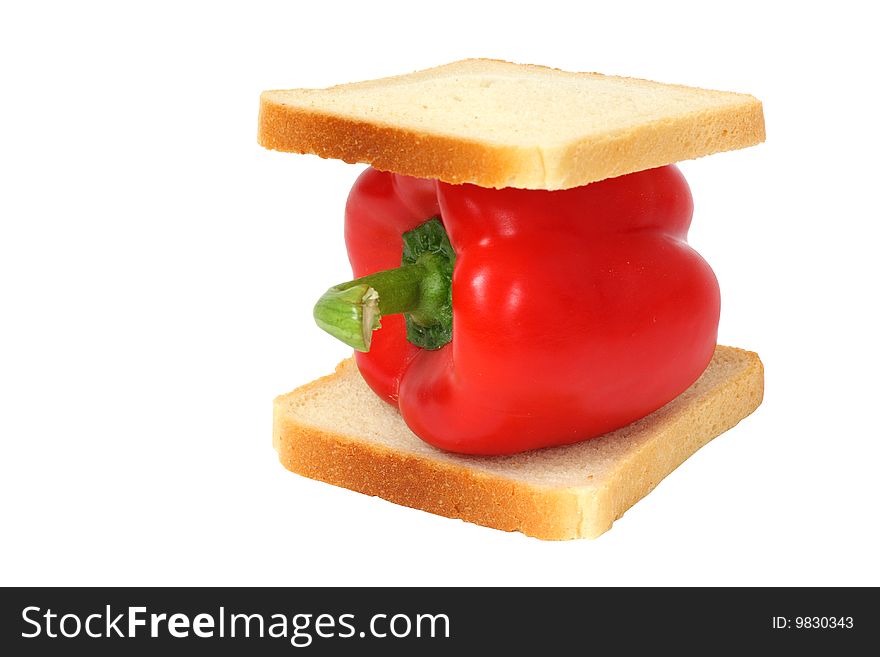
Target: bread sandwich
(535, 341)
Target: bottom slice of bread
(337, 430)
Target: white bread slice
(337, 430)
(497, 124)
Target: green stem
(421, 289)
(351, 311)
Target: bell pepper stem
(351, 311)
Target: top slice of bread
(497, 124)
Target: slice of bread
(497, 124)
(337, 430)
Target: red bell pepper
(571, 313)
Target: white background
(157, 271)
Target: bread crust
(285, 125)
(457, 487)
(383, 146)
